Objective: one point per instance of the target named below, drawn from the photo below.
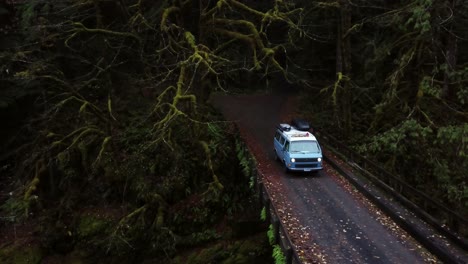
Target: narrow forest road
(327, 220)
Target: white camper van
(296, 147)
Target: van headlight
(319, 159)
(293, 160)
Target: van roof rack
(284, 127)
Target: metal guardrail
(281, 234)
(455, 223)
(379, 176)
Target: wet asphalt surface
(343, 228)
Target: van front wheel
(286, 169)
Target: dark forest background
(109, 145)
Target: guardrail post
(276, 230)
(289, 255)
(267, 209)
(454, 224)
(381, 176)
(260, 193)
(254, 174)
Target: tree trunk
(347, 97)
(343, 66)
(451, 60)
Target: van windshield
(304, 146)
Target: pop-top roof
(295, 135)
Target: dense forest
(110, 151)
(399, 91)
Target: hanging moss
(119, 88)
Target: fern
(244, 159)
(245, 164)
(278, 255)
(252, 182)
(271, 235)
(263, 214)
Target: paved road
(338, 222)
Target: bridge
(350, 212)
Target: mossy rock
(238, 259)
(90, 226)
(255, 249)
(21, 254)
(76, 257)
(212, 254)
(252, 247)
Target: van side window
(282, 141)
(277, 135)
(286, 146)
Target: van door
(286, 152)
(276, 144)
(279, 148)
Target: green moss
(76, 257)
(210, 254)
(90, 226)
(249, 247)
(237, 259)
(213, 254)
(253, 250)
(17, 254)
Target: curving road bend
(328, 221)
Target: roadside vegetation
(110, 151)
(395, 89)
